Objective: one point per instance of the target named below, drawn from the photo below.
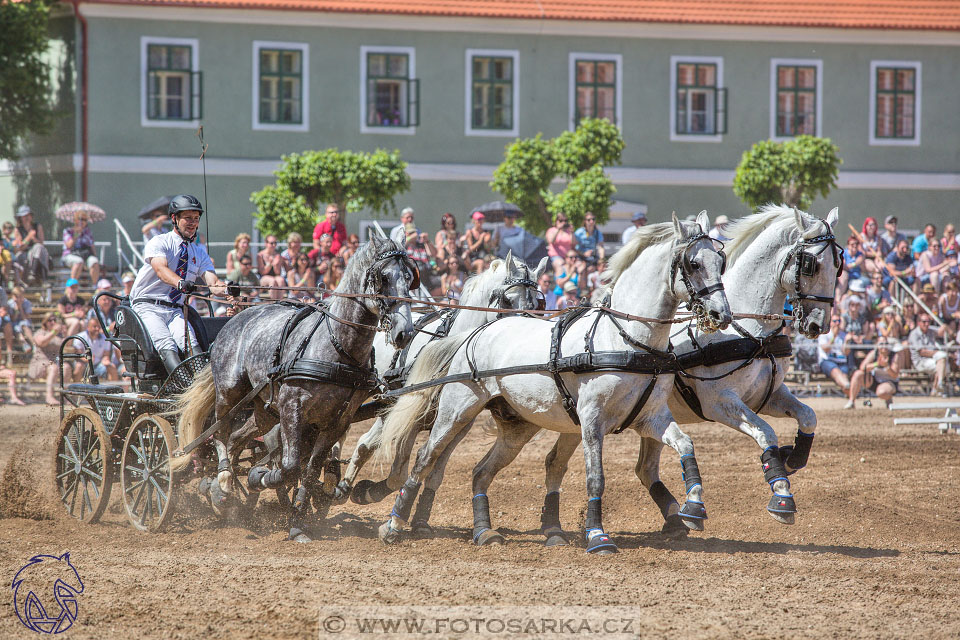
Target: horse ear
(833, 217)
(798, 218)
(677, 229)
(541, 268)
(511, 265)
(704, 221)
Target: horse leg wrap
(300, 498)
(261, 478)
(795, 457)
(404, 503)
(691, 472)
(773, 469)
(368, 492)
(673, 526)
(550, 520)
(693, 513)
(597, 541)
(421, 516)
(483, 531)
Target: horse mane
(643, 238)
(777, 217)
(479, 287)
(356, 270)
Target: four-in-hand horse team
(283, 382)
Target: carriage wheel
(145, 476)
(82, 469)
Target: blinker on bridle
(808, 265)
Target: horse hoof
(783, 518)
(674, 528)
(782, 508)
(297, 535)
(601, 545)
(488, 537)
(342, 493)
(421, 530)
(693, 514)
(556, 537)
(388, 534)
(361, 492)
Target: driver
(173, 262)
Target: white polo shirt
(167, 245)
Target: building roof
(844, 14)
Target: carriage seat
(82, 389)
(137, 349)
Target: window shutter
(196, 95)
(413, 102)
(151, 95)
(720, 111)
(372, 103)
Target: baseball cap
(721, 219)
(890, 219)
(638, 215)
(103, 283)
(71, 282)
(478, 215)
(128, 277)
(24, 210)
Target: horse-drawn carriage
(113, 434)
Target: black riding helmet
(181, 203)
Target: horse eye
(694, 265)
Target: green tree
(578, 157)
(793, 172)
(351, 180)
(25, 100)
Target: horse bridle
(373, 274)
(807, 264)
(499, 296)
(682, 263)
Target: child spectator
(103, 353)
(20, 309)
(107, 305)
(451, 282)
(8, 273)
(72, 308)
(879, 373)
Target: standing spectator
(347, 250)
(890, 235)
(833, 351)
(156, 226)
(900, 265)
(301, 275)
(545, 285)
(127, 281)
(79, 249)
(928, 354)
(639, 219)
(589, 240)
(102, 353)
(873, 246)
(477, 243)
(331, 226)
(72, 308)
(932, 265)
(28, 242)
(241, 247)
(508, 230)
(878, 372)
(560, 241)
(451, 282)
(43, 364)
(920, 243)
(294, 244)
(270, 267)
(245, 278)
(402, 231)
(719, 224)
(448, 240)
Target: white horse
(506, 283)
(645, 276)
(776, 255)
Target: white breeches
(165, 326)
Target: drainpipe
(83, 99)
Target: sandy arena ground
(875, 551)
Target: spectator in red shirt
(333, 227)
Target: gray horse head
(381, 267)
(519, 288)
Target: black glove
(233, 289)
(185, 286)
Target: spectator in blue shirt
(900, 263)
(920, 243)
(589, 240)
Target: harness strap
(556, 338)
(641, 401)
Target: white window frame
(468, 129)
(617, 59)
(894, 142)
(692, 137)
(411, 54)
(304, 49)
(145, 42)
(794, 62)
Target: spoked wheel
(145, 476)
(82, 470)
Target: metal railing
(122, 258)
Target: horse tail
(404, 418)
(194, 405)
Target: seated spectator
(876, 297)
(853, 261)
(928, 296)
(334, 274)
(104, 356)
(79, 249)
(72, 308)
(245, 277)
(900, 264)
(6, 325)
(589, 240)
(241, 247)
(873, 246)
(570, 297)
(545, 285)
(271, 267)
(323, 250)
(595, 276)
(11, 377)
(20, 309)
(423, 254)
(8, 273)
(574, 270)
(107, 306)
(451, 282)
(294, 244)
(332, 227)
(448, 240)
(560, 242)
(156, 226)
(879, 373)
(833, 354)
(948, 306)
(350, 248)
(301, 275)
(856, 324)
(890, 325)
(508, 230)
(719, 225)
(43, 364)
(922, 242)
(927, 353)
(932, 266)
(477, 243)
(28, 247)
(890, 236)
(127, 280)
(405, 229)
(948, 243)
